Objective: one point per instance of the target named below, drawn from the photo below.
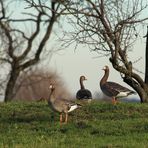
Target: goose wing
(119, 87)
(84, 94)
(114, 89)
(65, 105)
(109, 90)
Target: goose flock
(66, 105)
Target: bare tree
(146, 59)
(34, 85)
(24, 36)
(111, 27)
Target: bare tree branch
(110, 27)
(19, 48)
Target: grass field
(96, 125)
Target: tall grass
(34, 125)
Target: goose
(83, 93)
(113, 89)
(61, 105)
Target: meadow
(95, 125)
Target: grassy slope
(95, 125)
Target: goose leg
(66, 117)
(114, 101)
(61, 119)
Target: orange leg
(114, 101)
(66, 117)
(61, 119)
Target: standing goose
(113, 89)
(83, 93)
(60, 104)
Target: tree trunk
(141, 89)
(9, 93)
(144, 96)
(146, 59)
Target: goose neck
(105, 77)
(51, 96)
(81, 84)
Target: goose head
(51, 87)
(83, 78)
(105, 68)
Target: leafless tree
(24, 36)
(146, 59)
(111, 27)
(34, 85)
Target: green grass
(96, 125)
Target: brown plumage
(113, 89)
(83, 93)
(61, 104)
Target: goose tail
(73, 107)
(132, 93)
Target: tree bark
(146, 59)
(133, 80)
(142, 91)
(9, 93)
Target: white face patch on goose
(105, 67)
(50, 86)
